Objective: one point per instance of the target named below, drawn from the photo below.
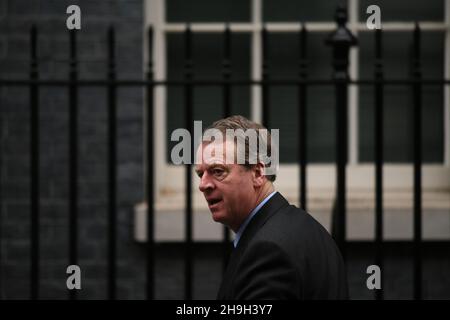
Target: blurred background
(75, 155)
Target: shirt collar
(249, 217)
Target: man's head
(233, 189)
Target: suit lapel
(267, 210)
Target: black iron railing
(340, 42)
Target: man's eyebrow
(215, 165)
(210, 167)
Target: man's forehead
(215, 152)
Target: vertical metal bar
(265, 77)
(226, 72)
(302, 113)
(379, 158)
(150, 174)
(417, 92)
(341, 158)
(341, 40)
(226, 75)
(112, 165)
(34, 145)
(188, 274)
(73, 156)
(2, 139)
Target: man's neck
(264, 198)
(263, 193)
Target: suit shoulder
(292, 228)
(292, 219)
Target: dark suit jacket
(284, 253)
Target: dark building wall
(16, 18)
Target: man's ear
(259, 176)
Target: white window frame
(321, 177)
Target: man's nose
(205, 183)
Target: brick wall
(16, 18)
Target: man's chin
(217, 216)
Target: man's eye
(217, 172)
(199, 174)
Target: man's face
(228, 188)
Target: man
(280, 251)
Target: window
(295, 11)
(207, 62)
(283, 59)
(398, 103)
(208, 11)
(245, 18)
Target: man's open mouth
(212, 202)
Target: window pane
(208, 10)
(398, 100)
(207, 58)
(405, 10)
(283, 55)
(295, 11)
